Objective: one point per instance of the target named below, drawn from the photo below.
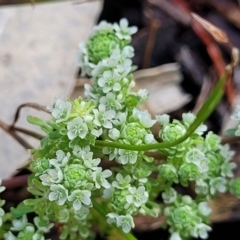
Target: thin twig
(229, 140)
(12, 133)
(154, 26)
(28, 132)
(31, 105)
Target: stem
(100, 210)
(202, 115)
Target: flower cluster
(28, 231)
(69, 182)
(200, 159)
(105, 40)
(204, 162)
(186, 217)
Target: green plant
(71, 189)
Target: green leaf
(54, 135)
(30, 203)
(230, 132)
(39, 122)
(35, 191)
(44, 142)
(22, 209)
(39, 185)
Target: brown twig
(229, 140)
(12, 133)
(31, 105)
(28, 132)
(154, 26)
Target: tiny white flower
(110, 81)
(51, 176)
(110, 101)
(188, 118)
(103, 117)
(227, 169)
(125, 222)
(60, 110)
(91, 162)
(78, 197)
(99, 177)
(169, 196)
(163, 119)
(204, 208)
(122, 182)
(19, 224)
(218, 184)
(61, 159)
(123, 31)
(77, 128)
(80, 151)
(127, 156)
(201, 230)
(143, 94)
(112, 218)
(138, 196)
(59, 193)
(144, 118)
(114, 134)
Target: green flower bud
(172, 131)
(119, 199)
(74, 175)
(189, 171)
(215, 162)
(40, 165)
(133, 133)
(182, 215)
(212, 141)
(168, 172)
(101, 46)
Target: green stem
(100, 210)
(202, 115)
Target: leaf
(44, 142)
(39, 122)
(30, 203)
(35, 191)
(230, 132)
(54, 135)
(22, 209)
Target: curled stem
(206, 110)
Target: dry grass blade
(215, 32)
